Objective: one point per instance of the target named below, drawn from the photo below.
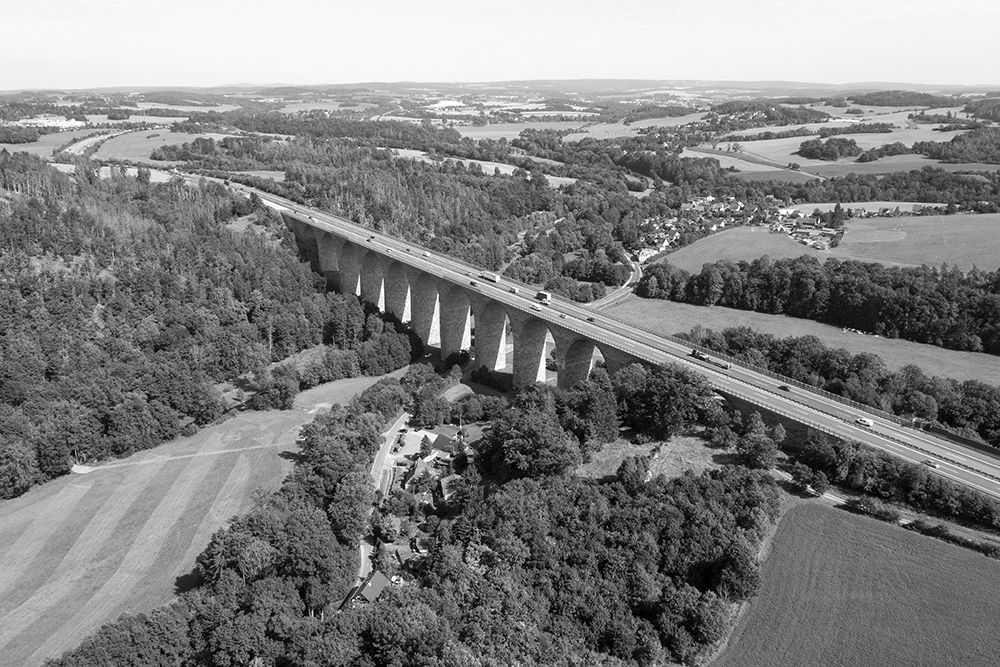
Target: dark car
(784, 387)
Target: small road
(621, 292)
(381, 475)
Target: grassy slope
(839, 589)
(83, 549)
(668, 317)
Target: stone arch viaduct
(451, 306)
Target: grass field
(843, 590)
(680, 453)
(79, 551)
(873, 206)
(137, 146)
(739, 243)
(962, 240)
(667, 317)
(47, 142)
(784, 175)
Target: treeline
(749, 113)
(630, 571)
(856, 128)
(971, 408)
(986, 109)
(885, 150)
(18, 135)
(978, 145)
(831, 149)
(939, 306)
(903, 98)
(125, 303)
(861, 468)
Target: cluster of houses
(702, 214)
(807, 231)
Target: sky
(70, 44)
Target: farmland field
(844, 590)
(784, 175)
(487, 166)
(79, 551)
(960, 240)
(137, 146)
(894, 163)
(667, 317)
(47, 142)
(780, 152)
(872, 206)
(739, 243)
(513, 130)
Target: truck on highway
(492, 277)
(701, 356)
(544, 297)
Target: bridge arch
(372, 280)
(490, 342)
(397, 291)
(530, 343)
(456, 327)
(350, 269)
(425, 307)
(577, 360)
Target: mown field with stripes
(83, 549)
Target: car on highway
(512, 290)
(590, 319)
(535, 306)
(931, 464)
(425, 254)
(473, 283)
(784, 387)
(864, 421)
(562, 315)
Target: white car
(864, 421)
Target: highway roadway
(967, 466)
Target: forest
(126, 303)
(935, 305)
(971, 408)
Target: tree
(632, 473)
(758, 451)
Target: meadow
(960, 240)
(137, 146)
(845, 590)
(667, 317)
(85, 548)
(47, 142)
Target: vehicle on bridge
(544, 297)
(492, 277)
(864, 421)
(701, 356)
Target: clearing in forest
(842, 590)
